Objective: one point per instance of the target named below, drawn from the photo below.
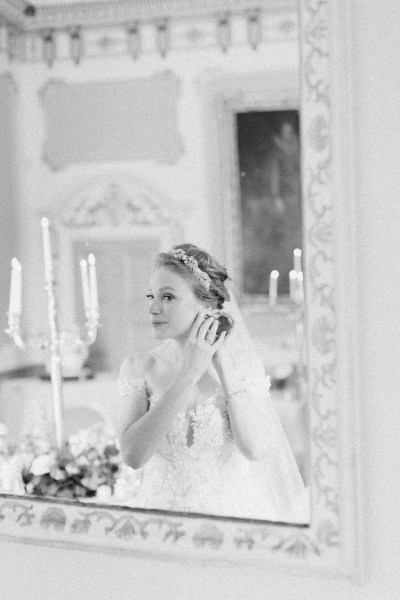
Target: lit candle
(293, 285)
(273, 287)
(94, 295)
(85, 286)
(297, 259)
(15, 289)
(48, 259)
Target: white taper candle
(48, 258)
(85, 285)
(300, 287)
(94, 295)
(293, 285)
(273, 287)
(15, 289)
(297, 259)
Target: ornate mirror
(115, 210)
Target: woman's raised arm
(141, 429)
(246, 416)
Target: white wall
(9, 355)
(30, 573)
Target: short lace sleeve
(254, 387)
(254, 390)
(132, 386)
(131, 381)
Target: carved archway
(125, 222)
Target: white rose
(42, 446)
(109, 432)
(120, 491)
(104, 492)
(22, 460)
(10, 479)
(42, 464)
(81, 441)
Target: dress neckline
(203, 400)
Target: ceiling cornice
(91, 13)
(12, 13)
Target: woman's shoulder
(135, 365)
(139, 363)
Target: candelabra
(56, 338)
(297, 314)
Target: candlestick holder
(55, 343)
(296, 314)
(56, 340)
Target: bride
(196, 418)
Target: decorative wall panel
(112, 121)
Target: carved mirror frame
(332, 543)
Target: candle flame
(16, 264)
(293, 274)
(275, 274)
(297, 252)
(44, 222)
(91, 259)
(83, 262)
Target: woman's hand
(224, 319)
(225, 325)
(201, 346)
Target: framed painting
(269, 196)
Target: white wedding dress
(199, 468)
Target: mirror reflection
(198, 422)
(138, 369)
(195, 427)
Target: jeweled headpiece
(192, 265)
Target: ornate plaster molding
(12, 13)
(96, 12)
(144, 531)
(40, 31)
(113, 203)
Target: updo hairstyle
(217, 293)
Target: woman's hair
(217, 293)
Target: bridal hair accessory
(192, 265)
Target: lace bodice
(199, 433)
(197, 466)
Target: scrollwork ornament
(319, 226)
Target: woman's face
(173, 306)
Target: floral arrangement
(87, 465)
